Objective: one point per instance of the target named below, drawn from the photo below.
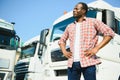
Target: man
(83, 37)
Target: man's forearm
(63, 47)
(105, 41)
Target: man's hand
(67, 54)
(92, 52)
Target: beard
(77, 16)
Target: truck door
(110, 54)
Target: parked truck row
(42, 59)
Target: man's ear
(83, 11)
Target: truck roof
(100, 4)
(34, 39)
(6, 25)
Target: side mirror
(17, 41)
(43, 35)
(109, 18)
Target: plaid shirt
(89, 30)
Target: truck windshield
(7, 39)
(58, 30)
(28, 51)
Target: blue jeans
(74, 73)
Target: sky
(32, 16)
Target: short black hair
(84, 6)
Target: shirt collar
(84, 19)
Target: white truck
(9, 42)
(43, 59)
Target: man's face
(78, 11)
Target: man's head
(80, 10)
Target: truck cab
(29, 59)
(9, 42)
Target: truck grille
(2, 75)
(21, 69)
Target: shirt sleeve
(64, 36)
(104, 29)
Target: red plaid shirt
(89, 30)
